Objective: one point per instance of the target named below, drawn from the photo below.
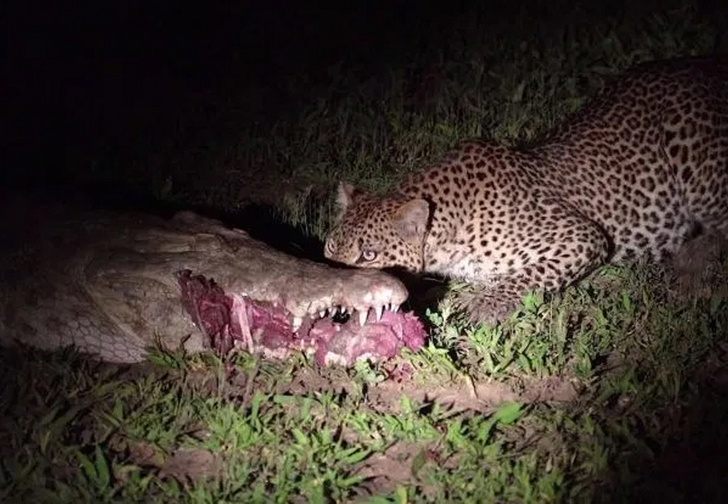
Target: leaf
(517, 96)
(300, 437)
(484, 431)
(508, 413)
(103, 476)
(354, 455)
(306, 408)
(401, 494)
(351, 481)
(86, 465)
(525, 363)
(418, 462)
(627, 301)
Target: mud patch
(398, 464)
(468, 395)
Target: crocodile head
(113, 285)
(375, 328)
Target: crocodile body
(114, 284)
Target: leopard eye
(368, 255)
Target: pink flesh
(236, 320)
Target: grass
(580, 396)
(598, 379)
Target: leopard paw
(483, 306)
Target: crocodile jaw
(237, 321)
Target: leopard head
(373, 232)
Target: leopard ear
(345, 194)
(410, 220)
(344, 198)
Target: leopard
(635, 174)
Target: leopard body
(636, 173)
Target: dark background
(95, 78)
(86, 82)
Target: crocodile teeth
(297, 321)
(378, 310)
(395, 308)
(334, 310)
(322, 313)
(363, 316)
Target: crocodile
(115, 284)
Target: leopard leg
(586, 249)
